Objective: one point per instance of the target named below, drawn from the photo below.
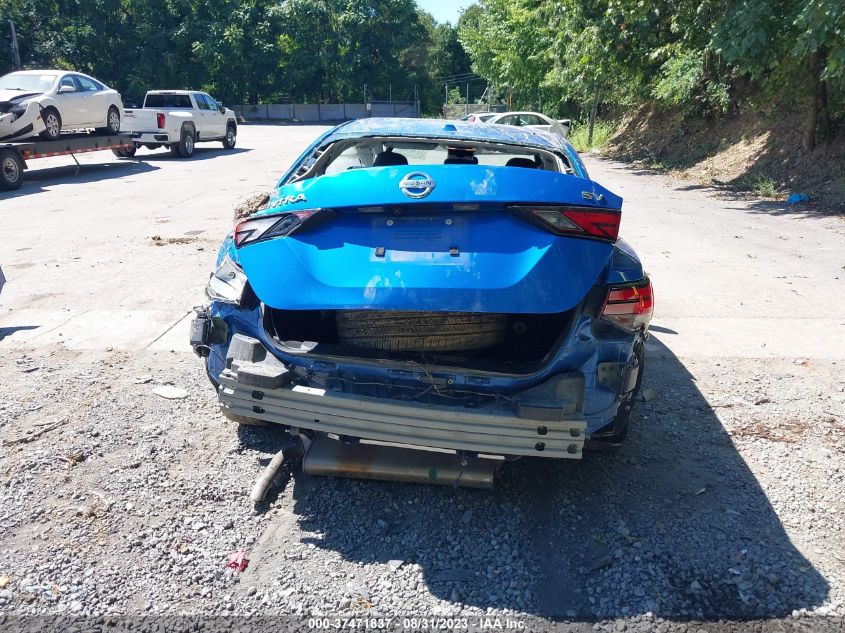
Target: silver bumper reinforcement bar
(489, 431)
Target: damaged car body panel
(19, 118)
(433, 285)
(464, 245)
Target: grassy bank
(755, 151)
(602, 132)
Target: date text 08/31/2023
(485, 623)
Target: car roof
(441, 129)
(523, 112)
(41, 72)
(54, 73)
(172, 92)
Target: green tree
(802, 40)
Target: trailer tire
(11, 170)
(125, 152)
(185, 147)
(53, 120)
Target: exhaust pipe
(289, 453)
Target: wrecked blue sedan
(432, 285)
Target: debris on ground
(31, 436)
(73, 459)
(795, 198)
(395, 563)
(170, 392)
(237, 560)
(158, 240)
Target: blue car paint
(583, 349)
(453, 184)
(505, 264)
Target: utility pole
(15, 50)
(466, 110)
(593, 111)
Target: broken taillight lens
(630, 306)
(265, 227)
(602, 224)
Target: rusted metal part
(262, 484)
(329, 457)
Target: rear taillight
(160, 120)
(266, 227)
(630, 306)
(602, 224)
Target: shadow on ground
(674, 524)
(37, 179)
(200, 153)
(10, 331)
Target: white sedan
(531, 120)
(47, 102)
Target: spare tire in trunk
(416, 331)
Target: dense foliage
(701, 56)
(705, 56)
(241, 50)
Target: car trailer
(14, 156)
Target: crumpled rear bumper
(545, 421)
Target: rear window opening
(365, 153)
(167, 101)
(507, 343)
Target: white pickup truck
(178, 119)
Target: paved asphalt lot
(724, 512)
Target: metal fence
(316, 112)
(458, 110)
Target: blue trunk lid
(386, 250)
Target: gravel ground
(726, 505)
(120, 507)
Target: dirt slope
(754, 151)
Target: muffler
(331, 458)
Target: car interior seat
(519, 161)
(389, 157)
(461, 160)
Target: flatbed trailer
(14, 156)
